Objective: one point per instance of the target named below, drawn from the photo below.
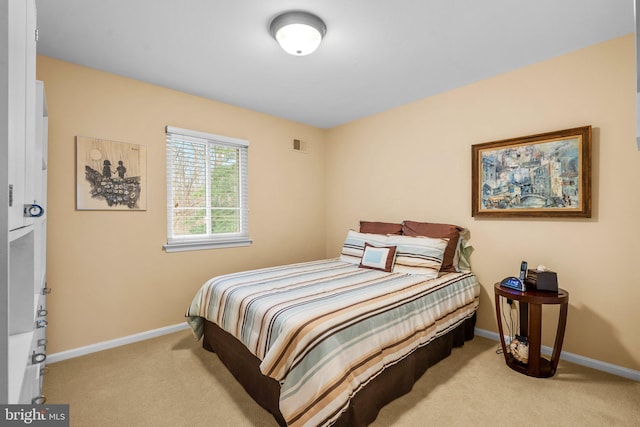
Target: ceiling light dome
(298, 33)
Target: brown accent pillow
(378, 257)
(374, 227)
(430, 229)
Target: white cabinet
(23, 181)
(28, 290)
(27, 281)
(21, 112)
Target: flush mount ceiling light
(298, 33)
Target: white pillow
(418, 255)
(353, 246)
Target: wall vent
(300, 145)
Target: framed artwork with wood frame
(543, 175)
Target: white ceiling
(377, 54)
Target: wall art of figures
(110, 175)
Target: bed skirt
(363, 409)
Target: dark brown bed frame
(392, 383)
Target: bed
(329, 342)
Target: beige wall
(109, 274)
(414, 162)
(111, 278)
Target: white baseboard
(88, 349)
(574, 358)
(569, 357)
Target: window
(206, 191)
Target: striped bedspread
(324, 329)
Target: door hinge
(37, 35)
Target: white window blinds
(207, 191)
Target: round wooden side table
(530, 304)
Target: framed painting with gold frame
(543, 175)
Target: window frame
(180, 243)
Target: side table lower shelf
(545, 366)
(530, 304)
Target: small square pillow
(353, 245)
(378, 258)
(375, 227)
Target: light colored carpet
(172, 381)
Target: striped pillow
(418, 255)
(353, 246)
(438, 231)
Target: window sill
(198, 246)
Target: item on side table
(542, 279)
(519, 348)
